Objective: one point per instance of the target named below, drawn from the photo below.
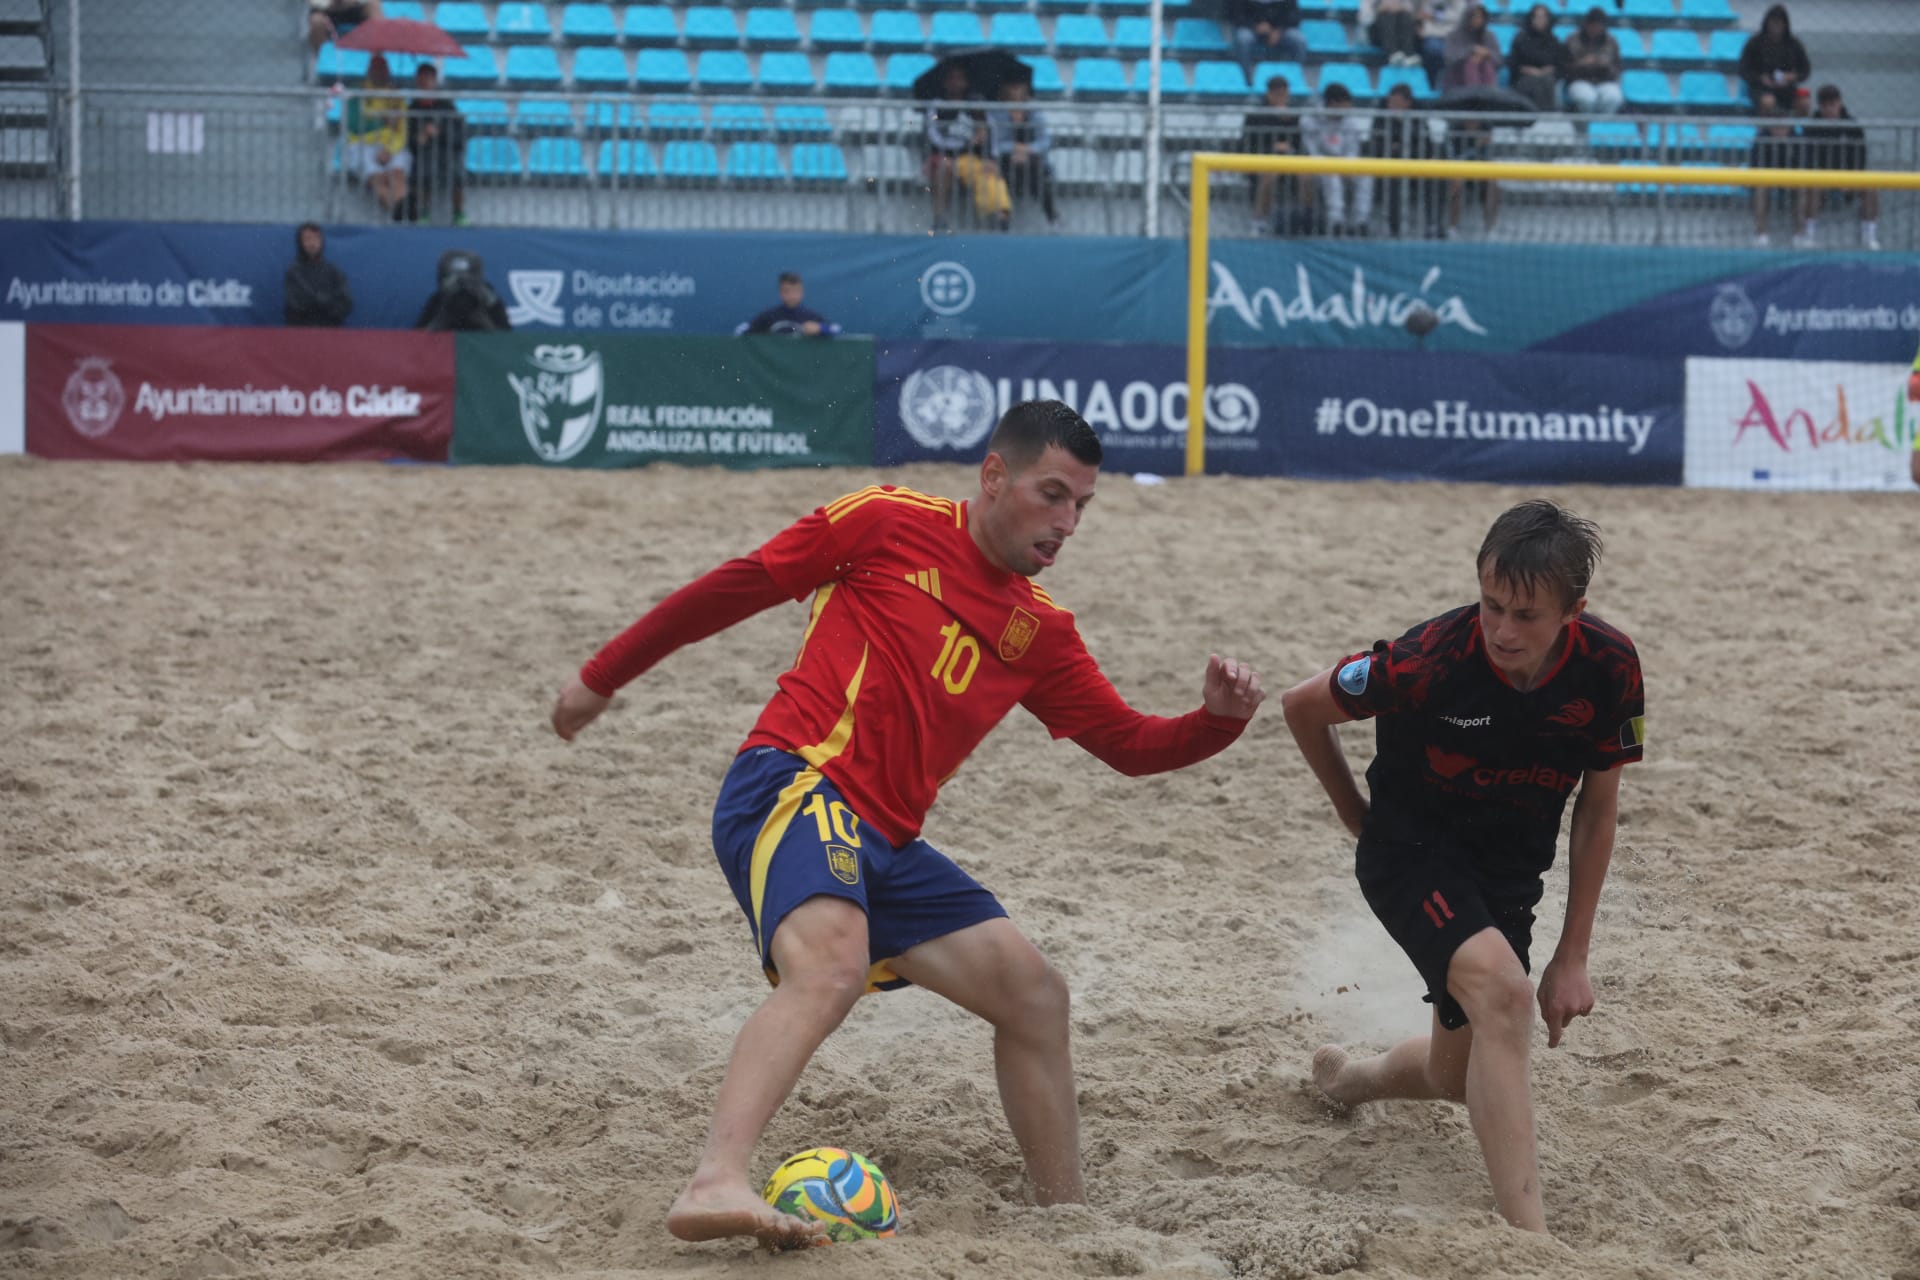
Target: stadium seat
(520, 22)
(650, 24)
(722, 69)
(897, 29)
(1001, 4)
(1733, 142)
(1675, 46)
(625, 159)
(586, 24)
(533, 67)
(554, 159)
(738, 120)
(851, 74)
(1645, 12)
(785, 72)
(662, 71)
(600, 67)
(1217, 78)
(1292, 72)
(1415, 78)
(483, 115)
(1503, 34)
(612, 117)
(1646, 89)
(1132, 35)
(1197, 36)
(1708, 13)
(1080, 33)
(711, 27)
(462, 19)
(902, 70)
(1612, 139)
(754, 162)
(1680, 137)
(407, 9)
(772, 29)
(1706, 91)
(689, 160)
(836, 29)
(493, 157)
(476, 68)
(1173, 78)
(543, 116)
(1017, 33)
(675, 120)
(1099, 78)
(339, 64)
(1726, 45)
(818, 162)
(1325, 38)
(804, 120)
(1632, 48)
(1350, 9)
(951, 30)
(1353, 75)
(1046, 76)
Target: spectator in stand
(790, 318)
(1274, 130)
(1833, 142)
(1439, 19)
(437, 149)
(1774, 147)
(1398, 134)
(1265, 30)
(1394, 27)
(377, 139)
(1593, 66)
(329, 18)
(1473, 55)
(316, 290)
(1471, 139)
(956, 139)
(1537, 60)
(1773, 59)
(1018, 141)
(1337, 130)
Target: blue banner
(1523, 419)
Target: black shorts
(1432, 898)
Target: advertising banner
(1322, 414)
(1793, 424)
(148, 393)
(13, 388)
(585, 400)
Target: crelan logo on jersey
(844, 863)
(1022, 627)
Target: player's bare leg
(1486, 977)
(820, 950)
(992, 970)
(1429, 1067)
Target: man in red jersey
(1488, 717)
(926, 629)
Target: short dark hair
(1279, 82)
(1337, 93)
(1030, 427)
(1828, 93)
(1401, 89)
(1596, 14)
(789, 277)
(1541, 544)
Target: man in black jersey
(1488, 718)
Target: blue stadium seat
(600, 67)
(852, 73)
(554, 159)
(626, 160)
(1197, 36)
(533, 67)
(804, 120)
(339, 64)
(1132, 35)
(1217, 78)
(902, 70)
(543, 117)
(520, 22)
(1736, 138)
(1645, 12)
(1099, 78)
(675, 120)
(1646, 89)
(738, 120)
(650, 24)
(723, 69)
(1611, 139)
(1675, 46)
(493, 157)
(836, 29)
(772, 29)
(1706, 91)
(407, 9)
(1708, 13)
(612, 117)
(1415, 78)
(1080, 33)
(951, 30)
(483, 115)
(662, 71)
(1017, 32)
(754, 162)
(1001, 4)
(785, 72)
(1348, 8)
(688, 160)
(897, 29)
(1351, 74)
(1726, 45)
(711, 27)
(587, 24)
(1173, 78)
(1632, 48)
(1046, 76)
(818, 162)
(1682, 137)
(462, 19)
(1325, 38)
(1292, 72)
(476, 68)
(1503, 34)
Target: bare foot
(716, 1211)
(1329, 1065)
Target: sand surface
(320, 956)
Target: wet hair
(1539, 545)
(1337, 95)
(789, 277)
(1028, 428)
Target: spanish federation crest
(93, 397)
(1022, 627)
(560, 401)
(844, 863)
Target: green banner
(598, 400)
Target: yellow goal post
(1207, 163)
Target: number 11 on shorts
(1435, 906)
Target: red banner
(178, 394)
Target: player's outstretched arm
(1565, 990)
(1231, 688)
(1079, 702)
(577, 707)
(1311, 714)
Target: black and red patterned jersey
(1465, 756)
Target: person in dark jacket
(464, 301)
(1774, 61)
(1399, 134)
(790, 318)
(1274, 130)
(1537, 60)
(1832, 141)
(1265, 30)
(316, 290)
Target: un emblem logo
(560, 400)
(947, 407)
(93, 397)
(1732, 316)
(947, 288)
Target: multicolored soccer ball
(845, 1190)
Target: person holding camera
(464, 301)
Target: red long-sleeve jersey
(917, 646)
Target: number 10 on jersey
(959, 659)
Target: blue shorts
(784, 834)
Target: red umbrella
(401, 35)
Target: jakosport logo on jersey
(560, 400)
